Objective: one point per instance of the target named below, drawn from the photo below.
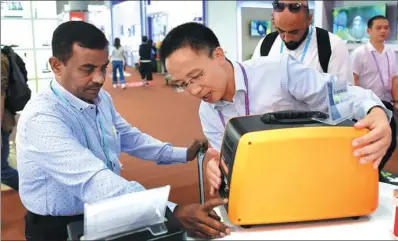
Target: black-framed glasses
(180, 87)
(293, 7)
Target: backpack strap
(324, 48)
(267, 43)
(5, 49)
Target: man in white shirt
(374, 67)
(314, 47)
(196, 62)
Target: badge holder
(201, 158)
(339, 103)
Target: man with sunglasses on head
(194, 58)
(313, 46)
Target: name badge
(339, 102)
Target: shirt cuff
(179, 155)
(368, 105)
(171, 206)
(173, 155)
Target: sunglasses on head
(293, 7)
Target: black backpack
(324, 48)
(18, 92)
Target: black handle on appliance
(293, 117)
(201, 155)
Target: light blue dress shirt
(278, 83)
(61, 159)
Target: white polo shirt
(365, 66)
(275, 84)
(339, 63)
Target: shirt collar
(72, 100)
(239, 86)
(372, 48)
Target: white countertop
(377, 226)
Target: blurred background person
(145, 50)
(374, 67)
(9, 176)
(118, 64)
(154, 51)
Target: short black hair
(82, 33)
(144, 39)
(116, 43)
(372, 19)
(194, 35)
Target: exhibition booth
(244, 23)
(132, 19)
(348, 20)
(239, 28)
(28, 26)
(161, 16)
(239, 25)
(127, 20)
(126, 25)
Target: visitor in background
(9, 176)
(145, 61)
(314, 47)
(374, 67)
(118, 63)
(154, 51)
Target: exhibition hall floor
(160, 112)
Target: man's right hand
(213, 171)
(201, 220)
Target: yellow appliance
(287, 167)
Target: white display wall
(224, 25)
(29, 25)
(168, 14)
(100, 16)
(324, 18)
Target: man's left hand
(374, 144)
(194, 148)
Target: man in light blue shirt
(70, 138)
(196, 62)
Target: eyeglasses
(181, 87)
(293, 7)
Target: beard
(293, 45)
